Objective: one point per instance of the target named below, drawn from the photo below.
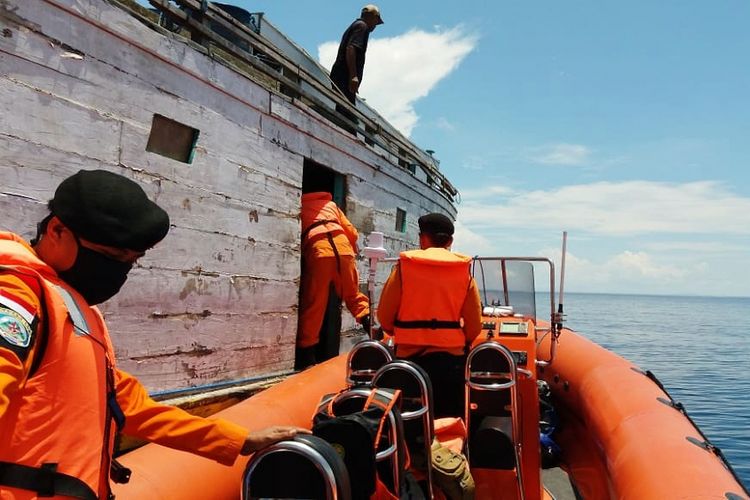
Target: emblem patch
(14, 329)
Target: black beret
(109, 209)
(435, 223)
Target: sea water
(698, 347)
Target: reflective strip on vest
(434, 283)
(59, 415)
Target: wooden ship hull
(222, 123)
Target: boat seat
(416, 410)
(491, 444)
(365, 358)
(491, 407)
(304, 467)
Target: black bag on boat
(548, 423)
(354, 428)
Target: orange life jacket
(320, 216)
(434, 283)
(60, 413)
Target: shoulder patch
(14, 328)
(18, 306)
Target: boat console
(502, 399)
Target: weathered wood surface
(80, 81)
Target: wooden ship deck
(221, 122)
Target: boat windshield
(504, 282)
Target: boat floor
(557, 483)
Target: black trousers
(343, 111)
(446, 372)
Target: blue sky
(624, 123)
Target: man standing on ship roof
(348, 69)
(329, 248)
(430, 306)
(62, 399)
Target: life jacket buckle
(46, 486)
(119, 473)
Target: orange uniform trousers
(320, 272)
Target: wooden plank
(45, 118)
(209, 253)
(155, 293)
(230, 161)
(217, 299)
(139, 56)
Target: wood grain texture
(80, 81)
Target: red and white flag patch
(17, 306)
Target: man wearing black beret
(61, 397)
(430, 307)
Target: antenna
(562, 284)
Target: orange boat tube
(619, 435)
(622, 439)
(163, 473)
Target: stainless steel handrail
(303, 449)
(424, 412)
(510, 385)
(359, 346)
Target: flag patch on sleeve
(17, 306)
(14, 328)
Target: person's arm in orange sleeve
(170, 426)
(351, 232)
(390, 300)
(471, 312)
(16, 300)
(12, 375)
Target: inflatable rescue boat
(548, 414)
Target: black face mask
(95, 276)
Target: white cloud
(474, 163)
(444, 124)
(635, 265)
(712, 247)
(629, 237)
(561, 154)
(469, 242)
(402, 69)
(609, 208)
(626, 272)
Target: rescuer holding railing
(329, 247)
(62, 399)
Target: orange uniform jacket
(430, 303)
(321, 218)
(59, 414)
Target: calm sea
(699, 347)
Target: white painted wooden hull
(80, 81)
